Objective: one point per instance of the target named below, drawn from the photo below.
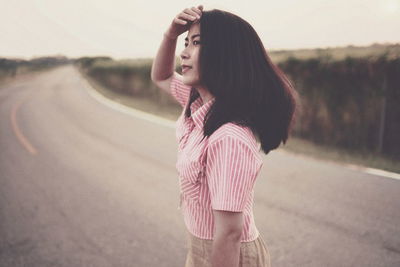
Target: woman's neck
(204, 94)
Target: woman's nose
(184, 55)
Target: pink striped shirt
(217, 173)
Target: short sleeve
(179, 90)
(231, 172)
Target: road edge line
(125, 109)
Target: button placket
(189, 126)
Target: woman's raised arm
(164, 63)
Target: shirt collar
(199, 113)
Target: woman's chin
(188, 81)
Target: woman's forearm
(164, 63)
(225, 252)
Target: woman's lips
(185, 69)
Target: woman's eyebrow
(193, 36)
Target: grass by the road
(294, 145)
(340, 155)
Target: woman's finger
(197, 11)
(187, 17)
(180, 21)
(192, 13)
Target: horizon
(122, 29)
(270, 51)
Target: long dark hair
(249, 89)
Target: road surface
(82, 184)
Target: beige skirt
(252, 254)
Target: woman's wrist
(166, 35)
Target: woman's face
(190, 56)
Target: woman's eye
(194, 42)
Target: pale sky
(134, 28)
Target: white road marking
(373, 171)
(127, 110)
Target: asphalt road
(82, 184)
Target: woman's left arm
(226, 244)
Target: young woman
(235, 102)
